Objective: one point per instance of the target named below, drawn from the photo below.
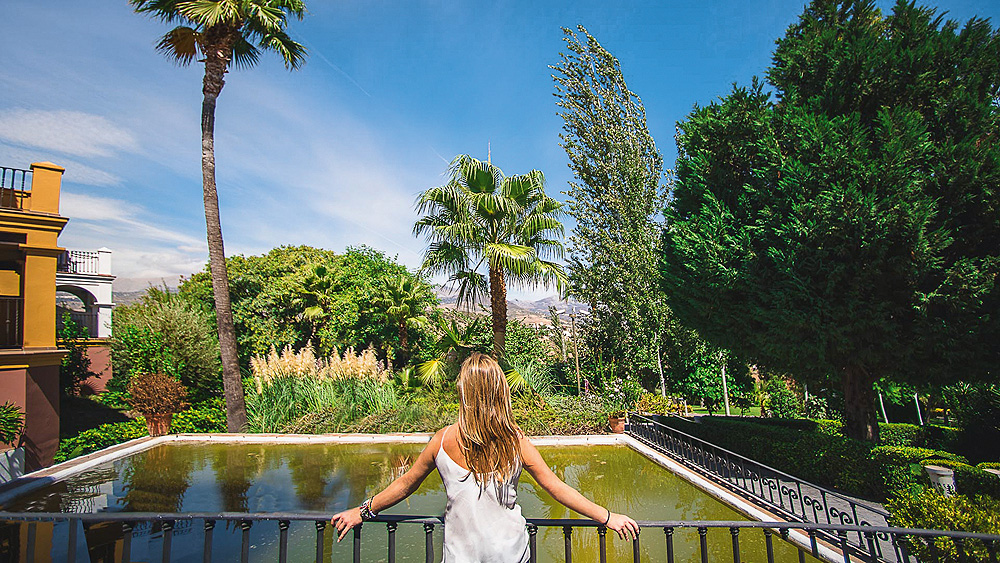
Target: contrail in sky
(319, 54)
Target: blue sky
(334, 154)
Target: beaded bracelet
(366, 510)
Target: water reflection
(328, 478)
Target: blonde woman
(480, 460)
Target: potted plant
(157, 396)
(620, 395)
(11, 455)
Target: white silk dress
(478, 526)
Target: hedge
(209, 416)
(932, 510)
(820, 455)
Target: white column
(104, 261)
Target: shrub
(165, 332)
(11, 423)
(156, 393)
(561, 415)
(113, 399)
(931, 510)
(780, 401)
(206, 417)
(75, 366)
(104, 436)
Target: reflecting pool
(327, 478)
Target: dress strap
(443, 436)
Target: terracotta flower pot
(159, 424)
(617, 424)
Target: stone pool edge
(49, 475)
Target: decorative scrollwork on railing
(815, 504)
(845, 518)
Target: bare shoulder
(529, 453)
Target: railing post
(71, 554)
(532, 531)
(703, 543)
(126, 542)
(245, 541)
(669, 532)
(283, 541)
(357, 543)
(428, 543)
(735, 532)
(844, 546)
(568, 543)
(390, 527)
(168, 535)
(32, 530)
(769, 544)
(206, 550)
(602, 540)
(320, 526)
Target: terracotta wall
(99, 352)
(36, 390)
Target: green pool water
(327, 478)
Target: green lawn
(752, 411)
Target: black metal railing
(118, 530)
(11, 322)
(14, 187)
(78, 262)
(784, 494)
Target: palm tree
(403, 299)
(224, 33)
(481, 219)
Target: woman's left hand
(346, 521)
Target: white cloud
(68, 132)
(141, 247)
(17, 157)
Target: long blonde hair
(489, 437)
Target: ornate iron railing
(968, 546)
(11, 322)
(784, 494)
(14, 187)
(78, 262)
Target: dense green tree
(223, 33)
(852, 227)
(300, 296)
(483, 219)
(616, 199)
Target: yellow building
(29, 359)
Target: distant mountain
(531, 312)
(129, 290)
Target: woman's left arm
(571, 498)
(402, 487)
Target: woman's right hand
(346, 521)
(626, 527)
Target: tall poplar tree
(616, 199)
(853, 227)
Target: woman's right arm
(400, 488)
(570, 497)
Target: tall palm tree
(482, 220)
(224, 33)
